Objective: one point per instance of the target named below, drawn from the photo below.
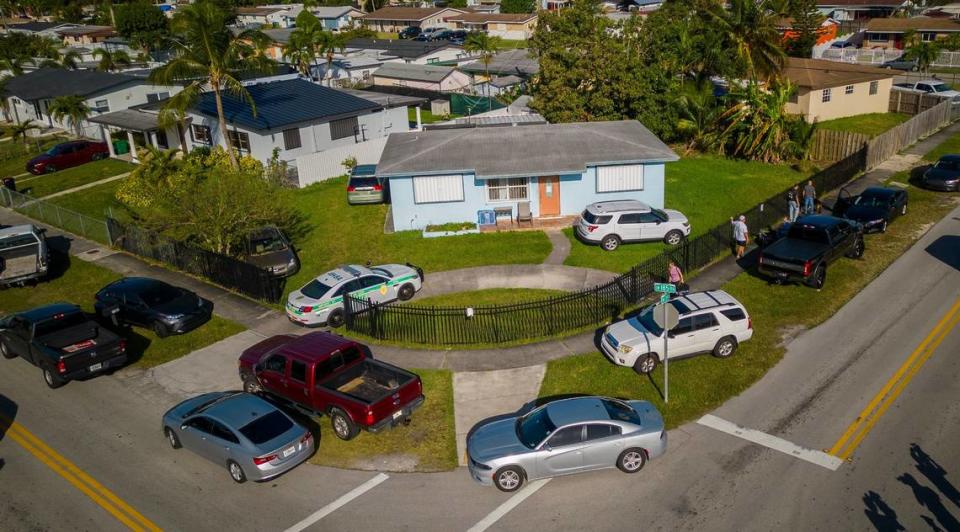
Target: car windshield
(620, 411)
(159, 294)
(940, 87)
(363, 181)
(871, 200)
(55, 324)
(204, 405)
(266, 428)
(534, 427)
(315, 289)
(54, 150)
(661, 214)
(948, 165)
(266, 242)
(808, 232)
(645, 320)
(381, 271)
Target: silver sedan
(239, 431)
(565, 437)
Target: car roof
(17, 230)
(312, 346)
(48, 311)
(136, 283)
(879, 191)
(577, 410)
(238, 409)
(951, 157)
(819, 220)
(364, 170)
(343, 274)
(702, 301)
(618, 206)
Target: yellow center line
(105, 498)
(893, 387)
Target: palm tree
(71, 108)
(208, 55)
(14, 63)
(329, 44)
(111, 61)
(21, 130)
(485, 45)
(750, 29)
(70, 59)
(924, 53)
(699, 116)
(303, 47)
(759, 127)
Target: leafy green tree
(924, 53)
(518, 6)
(806, 27)
(749, 28)
(142, 23)
(303, 47)
(484, 45)
(758, 126)
(20, 131)
(700, 114)
(208, 56)
(109, 61)
(72, 109)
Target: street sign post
(664, 298)
(666, 316)
(665, 288)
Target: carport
(137, 121)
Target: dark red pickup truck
(321, 373)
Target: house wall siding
(811, 105)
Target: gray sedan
(240, 431)
(564, 437)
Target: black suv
(153, 304)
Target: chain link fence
(55, 215)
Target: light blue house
(449, 175)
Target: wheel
(508, 478)
(406, 292)
(160, 329)
(52, 379)
(49, 169)
(818, 278)
(236, 472)
(888, 67)
(251, 385)
(6, 352)
(631, 460)
(646, 364)
(673, 238)
(335, 319)
(857, 250)
(610, 242)
(172, 438)
(343, 426)
(98, 156)
(883, 229)
(725, 347)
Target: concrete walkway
(549, 276)
(86, 186)
(561, 247)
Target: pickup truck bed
(17, 267)
(369, 381)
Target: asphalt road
(107, 429)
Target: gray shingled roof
(548, 149)
(132, 119)
(52, 82)
(405, 48)
(519, 62)
(413, 72)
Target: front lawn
(427, 444)
(700, 384)
(427, 117)
(512, 44)
(47, 184)
(81, 280)
(488, 297)
(949, 146)
(708, 190)
(96, 202)
(14, 155)
(339, 233)
(871, 124)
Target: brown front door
(550, 195)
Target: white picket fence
(328, 164)
(879, 56)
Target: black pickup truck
(809, 246)
(62, 341)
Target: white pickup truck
(930, 86)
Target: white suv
(711, 321)
(609, 223)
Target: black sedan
(152, 304)
(944, 175)
(874, 208)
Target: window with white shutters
(437, 188)
(620, 178)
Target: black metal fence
(548, 317)
(228, 272)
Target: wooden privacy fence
(835, 145)
(884, 146)
(912, 103)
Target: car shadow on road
(8, 413)
(946, 249)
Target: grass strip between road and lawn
(701, 384)
(428, 443)
(870, 124)
(81, 280)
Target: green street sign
(666, 288)
(664, 298)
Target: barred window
(848, 89)
(239, 141)
(874, 87)
(825, 97)
(201, 134)
(291, 139)
(343, 128)
(514, 188)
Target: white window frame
(105, 108)
(928, 36)
(238, 139)
(874, 87)
(617, 178)
(206, 138)
(825, 96)
(848, 89)
(515, 189)
(438, 189)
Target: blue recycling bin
(486, 217)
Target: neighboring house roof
(505, 81)
(47, 83)
(91, 31)
(133, 119)
(549, 149)
(493, 120)
(37, 26)
(283, 103)
(821, 74)
(517, 62)
(490, 18)
(860, 3)
(258, 11)
(387, 100)
(900, 25)
(414, 72)
(279, 36)
(406, 49)
(412, 14)
(356, 61)
(327, 12)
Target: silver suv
(610, 223)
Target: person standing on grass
(809, 197)
(740, 234)
(793, 203)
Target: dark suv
(67, 154)
(152, 304)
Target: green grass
(512, 44)
(427, 444)
(339, 233)
(871, 124)
(14, 155)
(951, 145)
(427, 117)
(47, 184)
(387, 35)
(708, 190)
(700, 384)
(95, 202)
(81, 281)
(488, 297)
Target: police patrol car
(321, 300)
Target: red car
(67, 154)
(321, 373)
